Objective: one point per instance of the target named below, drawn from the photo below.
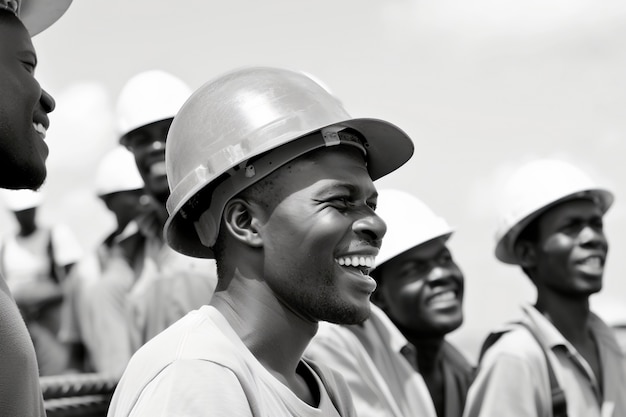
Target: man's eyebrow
(28, 55)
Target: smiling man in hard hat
(24, 106)
(167, 284)
(274, 179)
(560, 359)
(398, 363)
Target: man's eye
(343, 201)
(30, 66)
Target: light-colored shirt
(199, 367)
(25, 260)
(169, 286)
(20, 392)
(512, 379)
(94, 309)
(368, 356)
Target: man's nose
(370, 225)
(47, 102)
(590, 236)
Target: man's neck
(274, 334)
(428, 351)
(569, 315)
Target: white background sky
(480, 85)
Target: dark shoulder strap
(54, 272)
(336, 388)
(559, 402)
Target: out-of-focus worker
(35, 262)
(398, 363)
(274, 179)
(168, 284)
(95, 322)
(24, 106)
(560, 358)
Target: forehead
(578, 208)
(148, 133)
(11, 28)
(341, 163)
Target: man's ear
(525, 253)
(241, 219)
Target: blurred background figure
(167, 284)
(398, 362)
(95, 321)
(560, 358)
(35, 262)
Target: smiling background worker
(24, 106)
(398, 363)
(551, 225)
(274, 179)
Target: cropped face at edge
(422, 290)
(23, 109)
(321, 236)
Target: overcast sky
(480, 85)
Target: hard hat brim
(380, 262)
(38, 15)
(388, 148)
(505, 247)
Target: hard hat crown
(534, 188)
(244, 114)
(117, 172)
(149, 97)
(36, 15)
(410, 223)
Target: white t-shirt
(199, 367)
(25, 260)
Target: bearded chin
(343, 313)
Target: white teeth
(356, 261)
(158, 168)
(444, 296)
(593, 261)
(39, 128)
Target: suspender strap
(559, 402)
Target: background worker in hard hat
(35, 261)
(167, 284)
(272, 177)
(95, 322)
(398, 363)
(24, 106)
(551, 225)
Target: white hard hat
(36, 15)
(242, 115)
(149, 97)
(117, 172)
(410, 223)
(18, 200)
(534, 188)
